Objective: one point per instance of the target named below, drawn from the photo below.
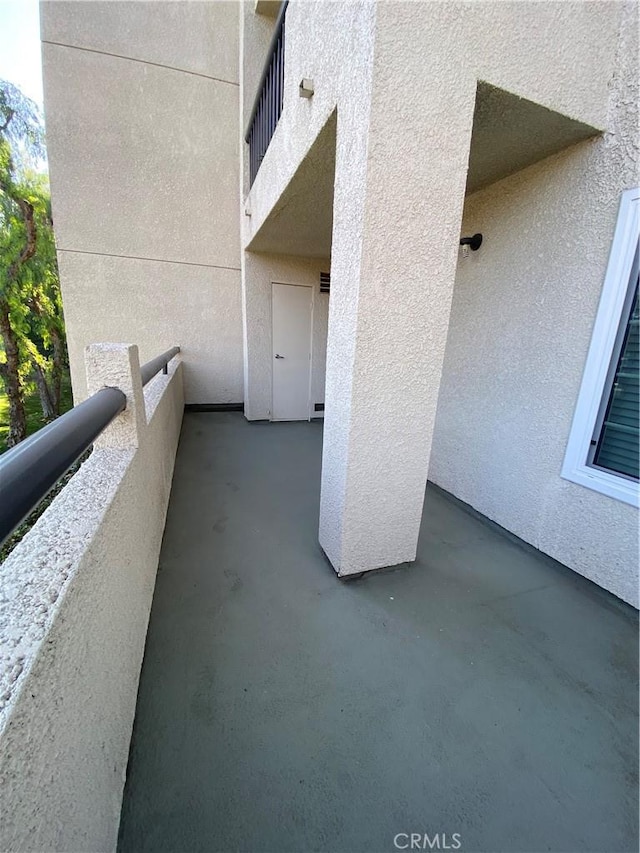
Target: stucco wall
(74, 607)
(318, 38)
(523, 311)
(260, 271)
(404, 119)
(142, 112)
(560, 55)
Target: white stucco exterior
(371, 172)
(144, 181)
(402, 146)
(74, 606)
(463, 370)
(523, 311)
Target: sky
(20, 61)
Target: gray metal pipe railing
(149, 370)
(267, 105)
(29, 470)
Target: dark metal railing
(149, 370)
(29, 470)
(267, 105)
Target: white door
(291, 313)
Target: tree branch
(10, 115)
(29, 249)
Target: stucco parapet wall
(75, 600)
(39, 570)
(118, 366)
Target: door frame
(311, 360)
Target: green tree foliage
(31, 320)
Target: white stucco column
(118, 366)
(256, 317)
(394, 256)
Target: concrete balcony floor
(484, 690)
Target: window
(614, 446)
(603, 452)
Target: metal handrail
(267, 105)
(31, 469)
(149, 370)
(267, 63)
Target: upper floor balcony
(321, 61)
(267, 105)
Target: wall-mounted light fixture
(473, 243)
(305, 90)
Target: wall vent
(325, 282)
(319, 407)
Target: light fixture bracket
(473, 243)
(305, 90)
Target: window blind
(618, 446)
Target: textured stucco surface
(202, 42)
(166, 180)
(393, 326)
(142, 110)
(269, 8)
(74, 606)
(163, 177)
(523, 311)
(197, 308)
(560, 55)
(319, 37)
(118, 366)
(260, 270)
(403, 139)
(302, 220)
(510, 133)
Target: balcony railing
(267, 106)
(30, 469)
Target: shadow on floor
(485, 690)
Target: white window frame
(603, 341)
